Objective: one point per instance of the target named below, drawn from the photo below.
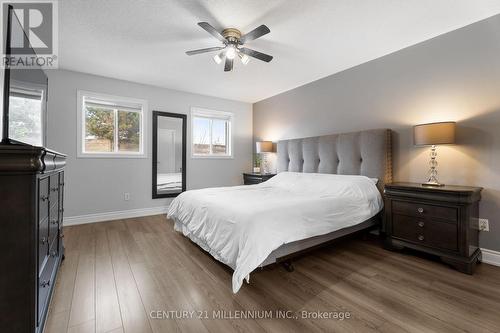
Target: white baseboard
(490, 257)
(108, 216)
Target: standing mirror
(169, 154)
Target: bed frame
(367, 153)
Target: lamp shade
(434, 133)
(264, 146)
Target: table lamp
(434, 134)
(263, 148)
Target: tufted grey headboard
(367, 153)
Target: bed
(169, 182)
(326, 187)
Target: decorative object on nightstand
(434, 134)
(256, 178)
(442, 221)
(264, 148)
(256, 163)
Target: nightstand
(256, 178)
(442, 221)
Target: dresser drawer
(53, 222)
(428, 232)
(256, 178)
(54, 189)
(424, 211)
(442, 235)
(43, 242)
(44, 285)
(61, 196)
(252, 180)
(43, 198)
(54, 249)
(407, 228)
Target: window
(110, 126)
(26, 114)
(211, 133)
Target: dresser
(32, 204)
(442, 221)
(256, 178)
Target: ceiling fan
(233, 42)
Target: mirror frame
(183, 117)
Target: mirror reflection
(27, 103)
(169, 154)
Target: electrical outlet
(484, 225)
(126, 196)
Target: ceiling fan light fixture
(233, 45)
(218, 58)
(244, 58)
(230, 52)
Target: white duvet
(241, 225)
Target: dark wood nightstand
(256, 178)
(442, 221)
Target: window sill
(117, 156)
(212, 157)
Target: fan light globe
(244, 58)
(230, 52)
(217, 59)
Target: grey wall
(455, 76)
(98, 185)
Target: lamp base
(264, 167)
(432, 184)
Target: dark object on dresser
(256, 178)
(31, 200)
(442, 221)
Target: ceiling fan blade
(209, 49)
(255, 33)
(211, 30)
(256, 54)
(228, 66)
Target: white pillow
(320, 183)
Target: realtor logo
(33, 34)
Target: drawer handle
(44, 197)
(53, 253)
(45, 283)
(420, 238)
(420, 210)
(421, 224)
(54, 189)
(53, 221)
(44, 240)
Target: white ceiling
(144, 41)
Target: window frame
(81, 153)
(213, 114)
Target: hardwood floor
(118, 274)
